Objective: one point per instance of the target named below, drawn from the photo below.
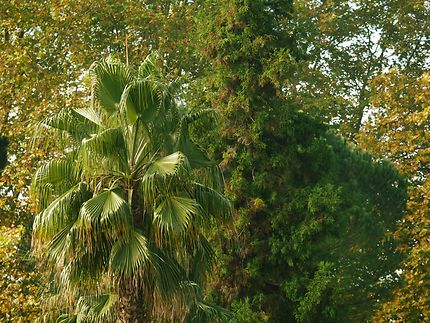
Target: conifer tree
(312, 213)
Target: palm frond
(67, 122)
(192, 116)
(160, 174)
(193, 152)
(148, 67)
(104, 306)
(174, 213)
(184, 143)
(170, 276)
(109, 210)
(167, 165)
(60, 245)
(204, 312)
(87, 262)
(212, 201)
(66, 318)
(202, 258)
(53, 178)
(130, 256)
(111, 80)
(60, 212)
(127, 105)
(140, 155)
(93, 114)
(140, 99)
(90, 308)
(109, 146)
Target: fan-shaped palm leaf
(93, 114)
(111, 78)
(174, 213)
(60, 212)
(129, 256)
(212, 201)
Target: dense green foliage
(402, 117)
(318, 231)
(311, 212)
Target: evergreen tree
(312, 214)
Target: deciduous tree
(399, 130)
(347, 44)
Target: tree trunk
(131, 307)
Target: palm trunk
(131, 308)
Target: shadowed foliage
(314, 216)
(3, 151)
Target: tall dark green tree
(313, 215)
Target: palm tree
(124, 210)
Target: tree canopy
(321, 134)
(311, 211)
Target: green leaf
(167, 165)
(67, 122)
(212, 201)
(130, 256)
(202, 311)
(170, 275)
(148, 67)
(194, 153)
(66, 318)
(92, 114)
(58, 172)
(60, 244)
(127, 105)
(147, 99)
(60, 212)
(109, 146)
(173, 213)
(107, 207)
(104, 305)
(111, 80)
(140, 99)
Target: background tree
(311, 212)
(347, 44)
(352, 46)
(401, 119)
